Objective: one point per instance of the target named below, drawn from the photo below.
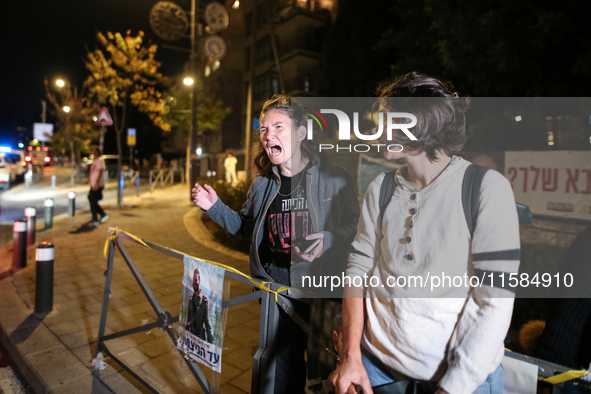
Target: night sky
(49, 38)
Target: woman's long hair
(283, 104)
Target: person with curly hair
(451, 339)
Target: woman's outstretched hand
(204, 197)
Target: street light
(66, 109)
(60, 83)
(188, 81)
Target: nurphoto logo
(345, 129)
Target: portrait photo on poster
(200, 317)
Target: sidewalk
(54, 352)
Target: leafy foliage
(74, 129)
(125, 72)
(210, 115)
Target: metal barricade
(263, 367)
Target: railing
(164, 176)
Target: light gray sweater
(455, 336)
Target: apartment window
(307, 83)
(265, 86)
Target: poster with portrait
(200, 318)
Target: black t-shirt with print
(287, 220)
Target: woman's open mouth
(274, 150)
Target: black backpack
(470, 196)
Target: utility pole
(194, 165)
(248, 133)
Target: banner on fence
(554, 183)
(200, 318)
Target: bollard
(137, 184)
(150, 181)
(44, 279)
(71, 204)
(31, 214)
(53, 181)
(121, 184)
(19, 256)
(48, 212)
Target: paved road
(14, 201)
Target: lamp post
(193, 164)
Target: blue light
(5, 149)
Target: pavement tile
(245, 335)
(169, 369)
(240, 358)
(157, 346)
(230, 389)
(65, 328)
(44, 363)
(84, 384)
(229, 372)
(78, 338)
(33, 339)
(241, 316)
(124, 383)
(130, 356)
(11, 319)
(243, 381)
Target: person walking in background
(230, 166)
(97, 184)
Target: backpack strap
(471, 194)
(386, 191)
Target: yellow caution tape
(115, 234)
(261, 285)
(563, 377)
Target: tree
(126, 73)
(75, 127)
(210, 114)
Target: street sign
(103, 118)
(131, 137)
(43, 131)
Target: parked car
(18, 158)
(7, 171)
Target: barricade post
(137, 184)
(19, 256)
(71, 204)
(49, 203)
(44, 277)
(31, 215)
